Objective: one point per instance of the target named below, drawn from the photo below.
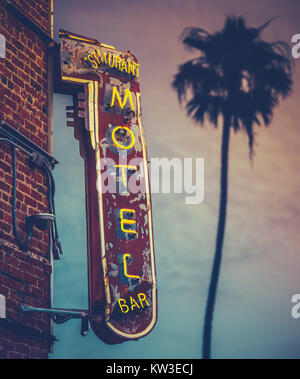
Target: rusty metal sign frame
(89, 122)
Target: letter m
(127, 94)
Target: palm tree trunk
(219, 243)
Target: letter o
(117, 143)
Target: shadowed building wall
(24, 104)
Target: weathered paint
(110, 276)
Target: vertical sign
(107, 122)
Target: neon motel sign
(107, 123)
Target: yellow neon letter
(99, 55)
(124, 66)
(126, 221)
(105, 57)
(142, 297)
(118, 61)
(137, 69)
(122, 104)
(123, 166)
(94, 53)
(117, 143)
(124, 305)
(133, 303)
(94, 63)
(125, 256)
(131, 67)
(109, 61)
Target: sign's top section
(82, 55)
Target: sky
(260, 270)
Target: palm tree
(237, 80)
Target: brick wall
(24, 276)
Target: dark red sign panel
(107, 121)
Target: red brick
(13, 355)
(21, 348)
(23, 188)
(31, 279)
(23, 278)
(18, 63)
(18, 81)
(4, 291)
(18, 273)
(8, 345)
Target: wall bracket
(61, 315)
